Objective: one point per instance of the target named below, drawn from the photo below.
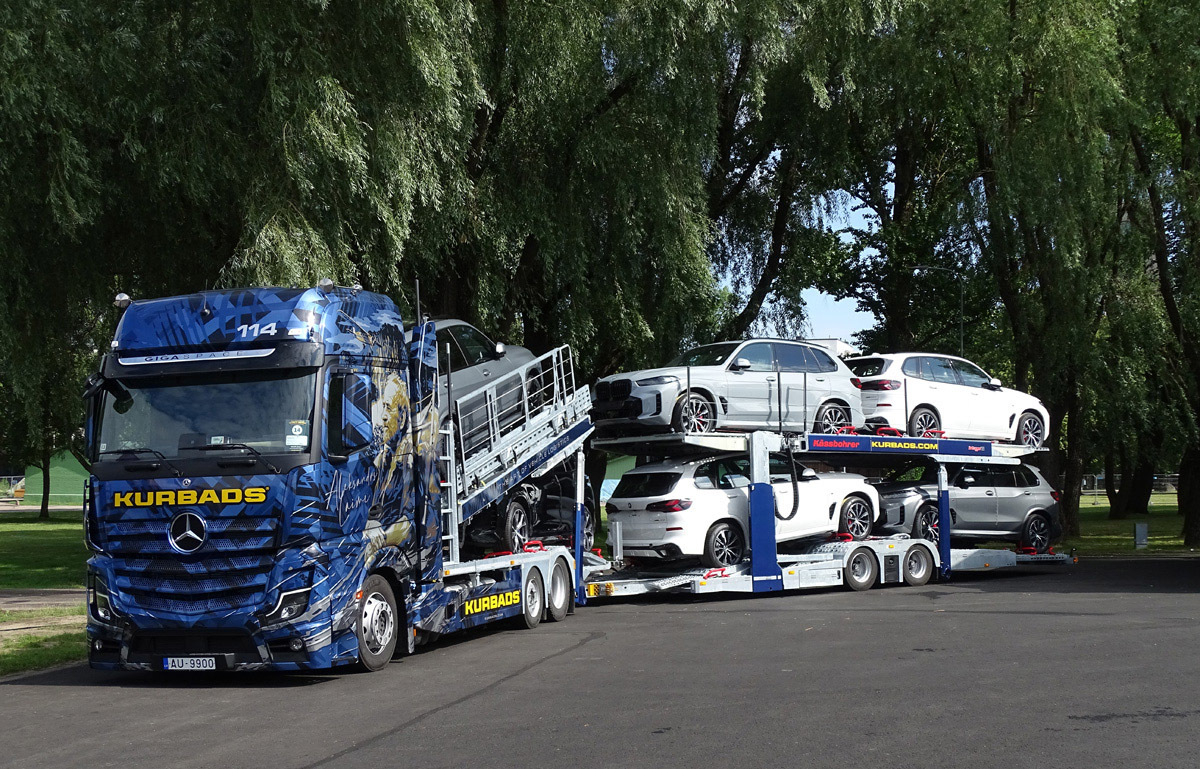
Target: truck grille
(229, 571)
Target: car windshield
(867, 366)
(708, 355)
(270, 412)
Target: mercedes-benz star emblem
(187, 532)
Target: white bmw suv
(701, 507)
(922, 393)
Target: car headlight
(658, 380)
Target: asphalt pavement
(1094, 665)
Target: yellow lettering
(256, 494)
(231, 496)
(209, 497)
(123, 500)
(186, 496)
(164, 498)
(143, 501)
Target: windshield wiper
(149, 465)
(251, 449)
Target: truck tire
(918, 566)
(377, 624)
(533, 600)
(861, 570)
(560, 591)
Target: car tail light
(1056, 496)
(882, 384)
(610, 508)
(856, 382)
(669, 506)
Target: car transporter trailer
(856, 564)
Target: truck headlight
(289, 606)
(99, 603)
(658, 380)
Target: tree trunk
(1135, 490)
(1073, 466)
(1110, 485)
(45, 513)
(1189, 494)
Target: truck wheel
(861, 570)
(560, 591)
(856, 519)
(918, 566)
(516, 522)
(533, 600)
(724, 546)
(376, 625)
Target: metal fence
(1092, 492)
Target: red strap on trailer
(596, 550)
(498, 553)
(888, 431)
(1026, 551)
(844, 430)
(934, 434)
(534, 546)
(714, 573)
(843, 536)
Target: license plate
(189, 663)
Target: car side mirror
(741, 364)
(993, 384)
(500, 351)
(809, 474)
(966, 482)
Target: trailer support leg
(580, 589)
(943, 521)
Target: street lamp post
(961, 294)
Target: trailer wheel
(533, 600)
(861, 570)
(856, 519)
(918, 566)
(560, 591)
(376, 625)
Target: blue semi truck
(272, 487)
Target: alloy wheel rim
(379, 624)
(834, 418)
(931, 527)
(725, 548)
(1038, 538)
(858, 517)
(696, 418)
(925, 423)
(520, 522)
(1031, 432)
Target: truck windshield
(268, 411)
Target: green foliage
(34, 652)
(40, 553)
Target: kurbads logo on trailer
(187, 532)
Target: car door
(752, 391)
(973, 500)
(988, 412)
(1014, 497)
(798, 379)
(948, 396)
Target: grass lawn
(37, 553)
(42, 651)
(1102, 536)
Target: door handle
(770, 379)
(990, 493)
(485, 372)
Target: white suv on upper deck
(917, 392)
(735, 385)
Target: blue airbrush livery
(265, 490)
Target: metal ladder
(448, 480)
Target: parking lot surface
(1094, 665)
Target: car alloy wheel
(696, 414)
(1037, 533)
(923, 421)
(1031, 432)
(856, 518)
(831, 419)
(927, 525)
